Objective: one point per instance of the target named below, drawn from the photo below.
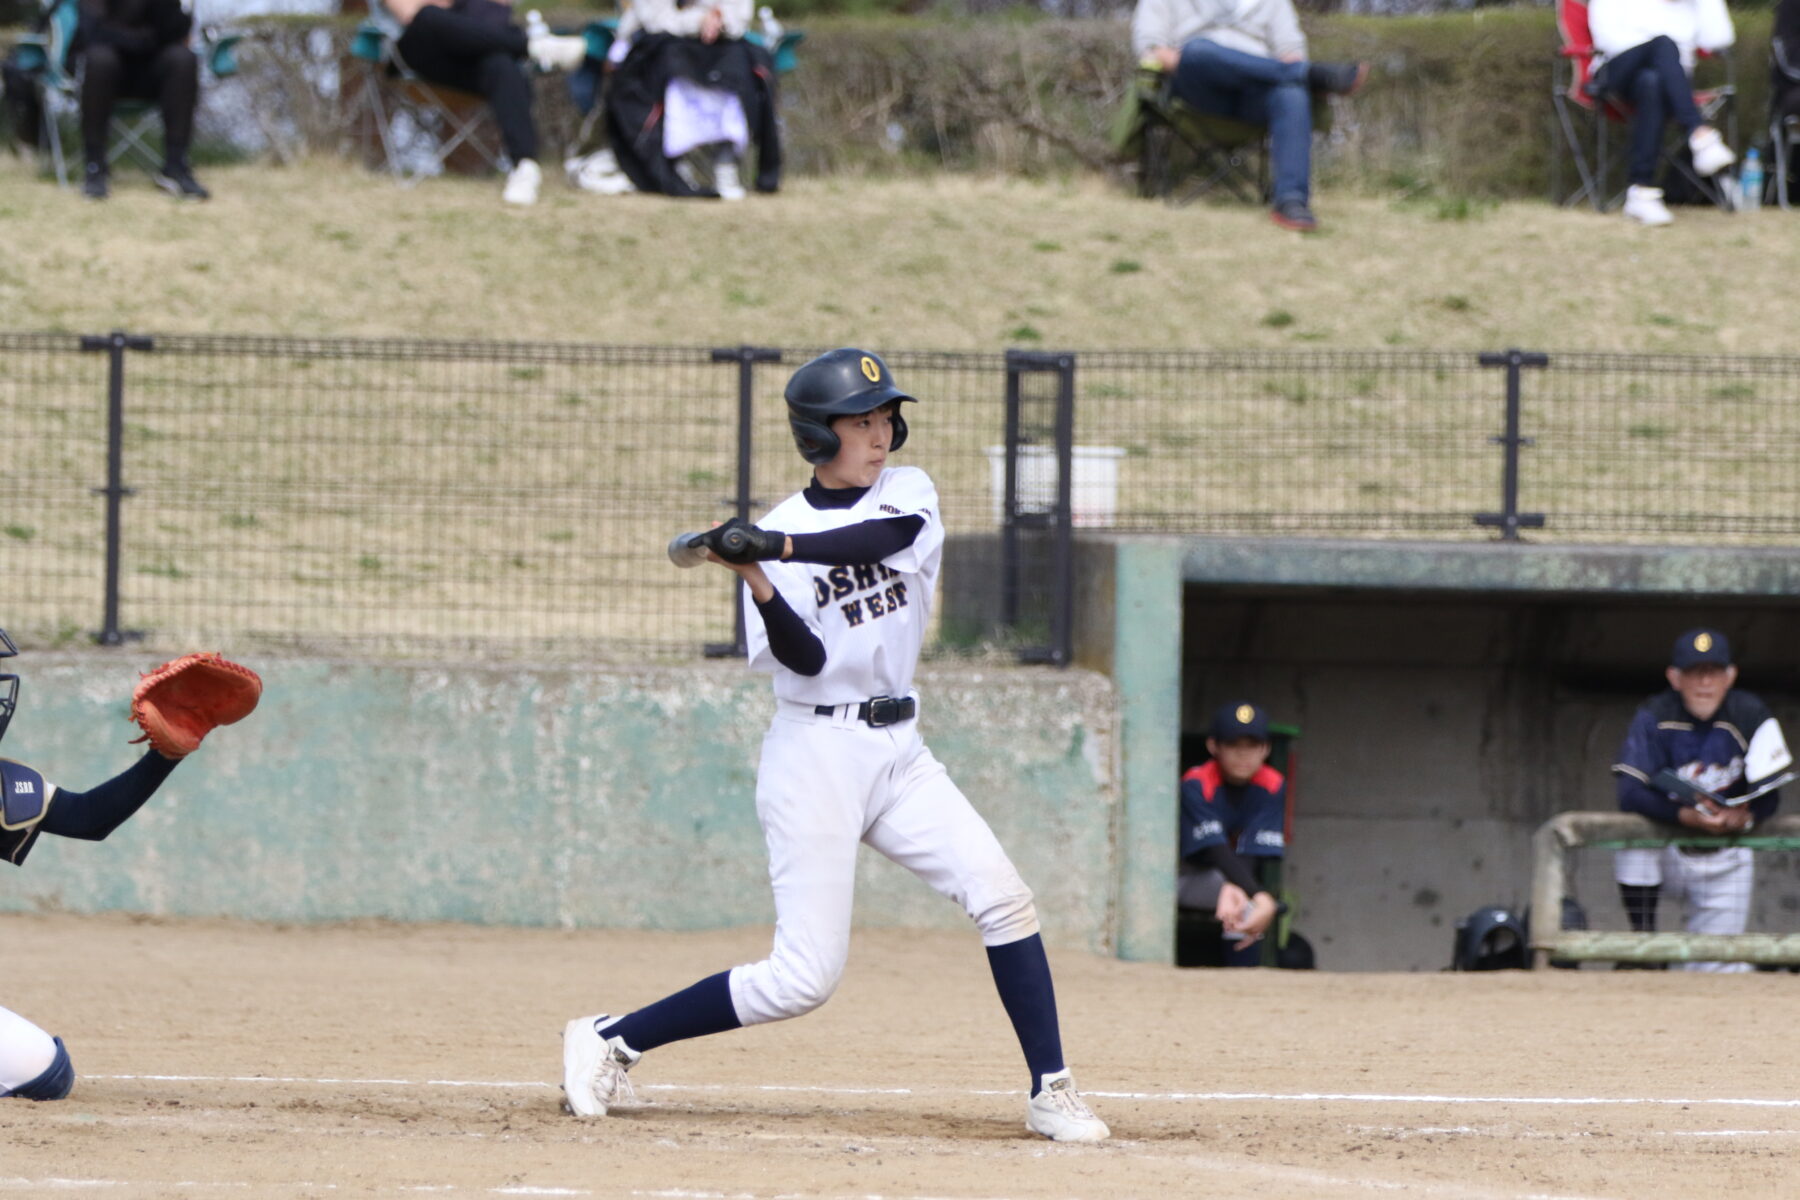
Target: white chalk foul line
(1176, 1097)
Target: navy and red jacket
(1248, 817)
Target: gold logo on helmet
(871, 369)
(1244, 714)
(1703, 643)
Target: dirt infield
(239, 1060)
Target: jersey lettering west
(871, 619)
(24, 799)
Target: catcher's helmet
(9, 684)
(839, 383)
(1490, 939)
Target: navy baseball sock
(1022, 976)
(690, 1013)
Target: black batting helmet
(1491, 939)
(839, 383)
(9, 685)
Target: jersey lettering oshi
(870, 618)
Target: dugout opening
(1445, 722)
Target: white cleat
(1060, 1114)
(594, 1067)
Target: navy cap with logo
(1700, 646)
(1240, 719)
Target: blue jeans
(1259, 91)
(1650, 78)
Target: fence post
(115, 344)
(746, 358)
(1509, 519)
(1059, 648)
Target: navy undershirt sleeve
(1228, 863)
(858, 545)
(794, 645)
(91, 815)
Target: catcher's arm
(93, 814)
(182, 701)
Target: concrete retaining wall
(539, 796)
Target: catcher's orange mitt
(184, 700)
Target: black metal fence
(408, 497)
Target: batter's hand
(738, 542)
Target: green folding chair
(43, 55)
(1181, 154)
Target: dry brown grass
(941, 263)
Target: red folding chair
(1589, 130)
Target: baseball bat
(684, 550)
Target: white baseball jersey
(871, 619)
(829, 781)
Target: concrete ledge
(1685, 571)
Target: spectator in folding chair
(138, 49)
(1246, 59)
(1784, 96)
(474, 46)
(689, 96)
(1644, 55)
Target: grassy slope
(948, 262)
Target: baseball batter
(33, 1064)
(838, 582)
(1723, 740)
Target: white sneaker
(725, 179)
(1711, 154)
(1645, 205)
(1060, 1114)
(522, 183)
(599, 172)
(594, 1067)
(556, 52)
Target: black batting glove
(738, 541)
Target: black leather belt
(877, 710)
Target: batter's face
(1703, 687)
(862, 451)
(1240, 758)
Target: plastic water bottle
(1750, 180)
(771, 28)
(535, 25)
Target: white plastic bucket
(1093, 492)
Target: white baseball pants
(1714, 889)
(25, 1051)
(826, 784)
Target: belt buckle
(883, 710)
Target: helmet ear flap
(899, 427)
(818, 444)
